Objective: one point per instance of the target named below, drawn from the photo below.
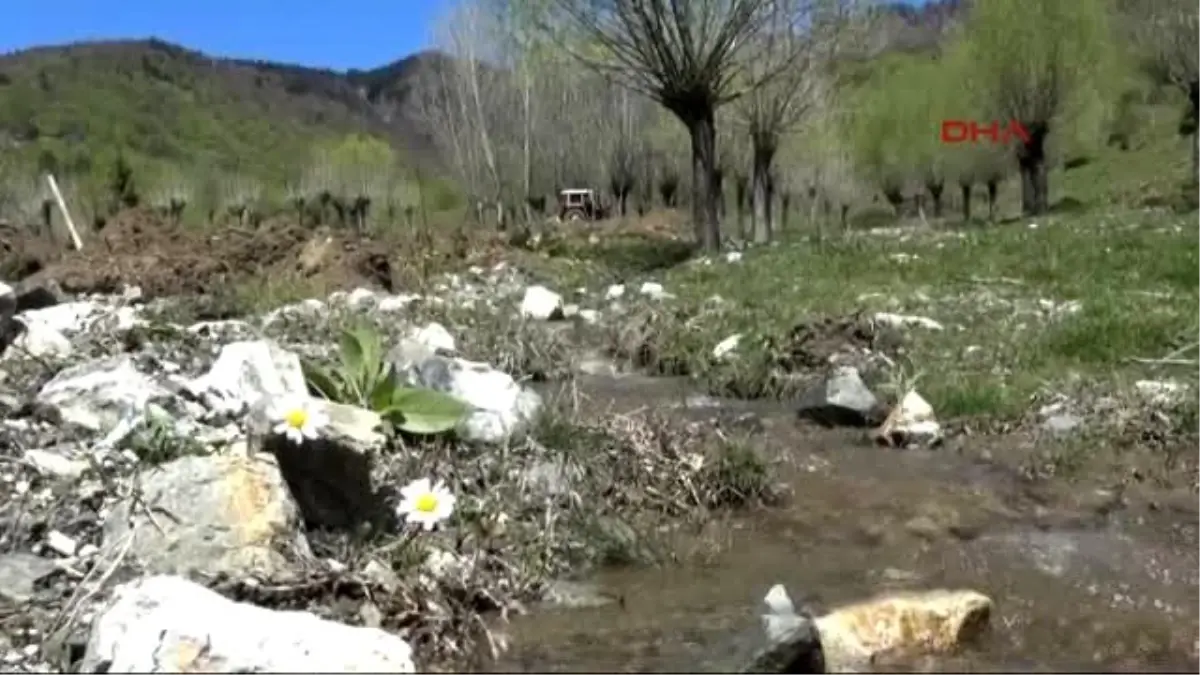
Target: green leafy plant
(363, 377)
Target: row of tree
(353, 182)
(784, 97)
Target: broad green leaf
(425, 411)
(351, 351)
(384, 389)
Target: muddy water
(1079, 585)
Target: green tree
(1038, 62)
(1166, 36)
(362, 167)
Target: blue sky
(336, 34)
(330, 33)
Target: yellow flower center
(297, 418)
(426, 503)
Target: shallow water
(1077, 588)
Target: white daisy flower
(424, 503)
(299, 419)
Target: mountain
(69, 105)
(73, 107)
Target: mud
(1083, 579)
(139, 247)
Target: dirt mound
(140, 247)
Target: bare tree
(1166, 33)
(688, 56)
(240, 193)
(802, 53)
(170, 193)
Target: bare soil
(139, 247)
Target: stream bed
(1077, 584)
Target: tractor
(582, 204)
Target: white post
(62, 207)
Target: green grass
(1003, 293)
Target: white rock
(306, 308)
(98, 395)
(361, 298)
(501, 408)
(246, 372)
(170, 624)
(654, 290)
(733, 256)
(727, 346)
(589, 316)
(912, 422)
(435, 336)
(54, 464)
(542, 303)
(905, 321)
(67, 317)
(396, 303)
(1161, 392)
(40, 340)
(615, 292)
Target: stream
(1078, 585)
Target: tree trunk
(785, 203)
(966, 201)
(935, 193)
(993, 188)
(623, 202)
(1031, 159)
(705, 189)
(1194, 97)
(764, 153)
(739, 200)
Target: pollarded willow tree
(690, 56)
(1167, 35)
(799, 43)
(1035, 62)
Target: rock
(654, 290)
(19, 575)
(782, 642)
(67, 318)
(500, 408)
(330, 476)
(1160, 392)
(906, 321)
(100, 395)
(912, 423)
(727, 346)
(542, 303)
(435, 336)
(614, 292)
(246, 373)
(41, 341)
(170, 624)
(909, 624)
(55, 464)
(589, 316)
(733, 256)
(1062, 424)
(841, 399)
(216, 514)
